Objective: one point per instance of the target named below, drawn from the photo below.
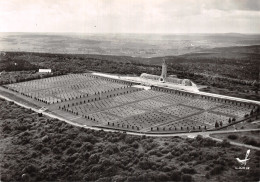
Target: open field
(44, 149)
(117, 104)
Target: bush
(45, 139)
(184, 157)
(187, 178)
(94, 158)
(30, 169)
(6, 129)
(129, 139)
(257, 152)
(225, 143)
(175, 175)
(162, 177)
(72, 158)
(188, 171)
(217, 170)
(251, 141)
(232, 137)
(208, 142)
(146, 164)
(87, 146)
(71, 151)
(155, 152)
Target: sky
(130, 16)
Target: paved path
(192, 135)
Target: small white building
(44, 70)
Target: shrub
(251, 141)
(175, 175)
(45, 139)
(194, 153)
(184, 157)
(208, 142)
(135, 145)
(129, 139)
(217, 170)
(6, 129)
(155, 152)
(90, 138)
(86, 147)
(77, 144)
(162, 177)
(71, 151)
(187, 178)
(165, 150)
(225, 143)
(146, 164)
(30, 169)
(56, 150)
(188, 171)
(86, 155)
(38, 146)
(169, 156)
(257, 152)
(232, 137)
(72, 158)
(94, 158)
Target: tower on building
(164, 72)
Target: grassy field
(44, 149)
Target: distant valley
(135, 45)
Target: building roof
(45, 70)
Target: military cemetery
(120, 104)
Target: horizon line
(137, 32)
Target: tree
(258, 109)
(221, 124)
(216, 125)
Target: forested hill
(232, 68)
(236, 62)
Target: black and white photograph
(130, 90)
